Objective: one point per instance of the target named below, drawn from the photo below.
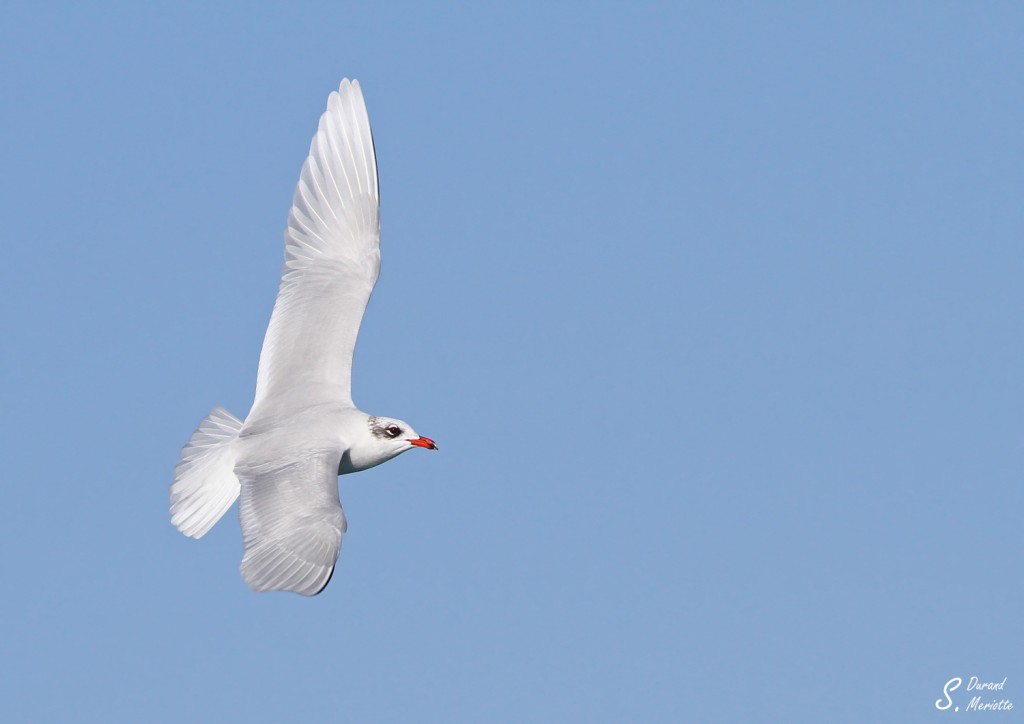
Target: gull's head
(384, 438)
(392, 437)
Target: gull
(303, 429)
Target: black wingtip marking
(329, 577)
(376, 171)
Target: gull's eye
(392, 430)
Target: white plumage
(303, 429)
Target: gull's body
(303, 429)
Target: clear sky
(713, 309)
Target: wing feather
(332, 260)
(292, 522)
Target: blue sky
(714, 310)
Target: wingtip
(257, 585)
(330, 575)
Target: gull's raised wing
(332, 259)
(292, 521)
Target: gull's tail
(205, 484)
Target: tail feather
(205, 484)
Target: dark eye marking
(377, 428)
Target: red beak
(424, 442)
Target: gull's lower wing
(292, 522)
(332, 259)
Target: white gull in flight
(303, 429)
